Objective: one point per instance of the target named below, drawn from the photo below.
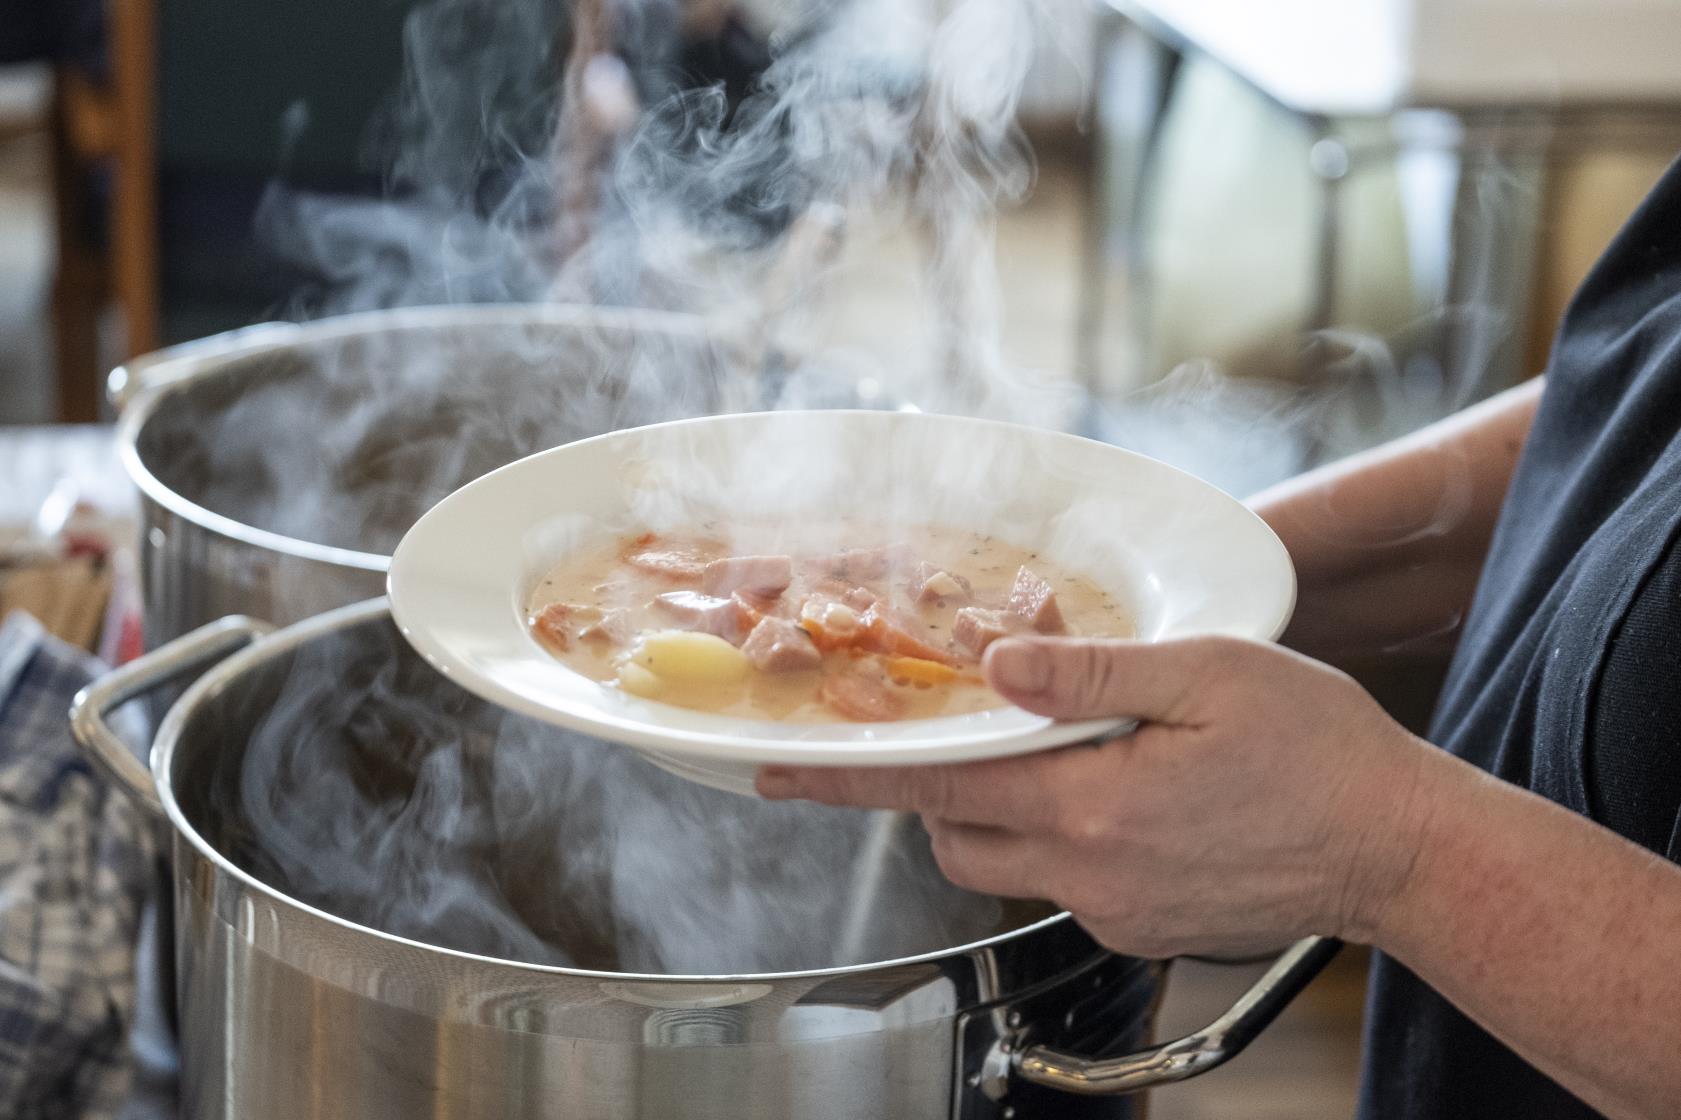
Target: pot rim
(194, 368)
(282, 641)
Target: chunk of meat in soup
(561, 623)
(860, 599)
(930, 584)
(1033, 601)
(778, 645)
(764, 577)
(612, 628)
(729, 618)
(975, 628)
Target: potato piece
(688, 657)
(638, 681)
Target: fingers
(989, 860)
(1090, 678)
(1017, 792)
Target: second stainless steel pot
(279, 465)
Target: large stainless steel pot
(279, 465)
(291, 1007)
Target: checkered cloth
(75, 863)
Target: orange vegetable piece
(885, 634)
(861, 692)
(919, 671)
(554, 623)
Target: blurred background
(1257, 236)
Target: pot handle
(189, 653)
(1196, 1053)
(162, 366)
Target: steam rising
(586, 168)
(373, 789)
(639, 188)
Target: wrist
(1398, 843)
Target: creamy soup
(876, 631)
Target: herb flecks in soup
(886, 632)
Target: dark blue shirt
(1567, 679)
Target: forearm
(1388, 544)
(1558, 936)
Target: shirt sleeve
(1632, 758)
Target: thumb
(1091, 678)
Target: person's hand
(1264, 797)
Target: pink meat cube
(860, 599)
(613, 628)
(730, 619)
(777, 645)
(761, 576)
(1033, 601)
(975, 628)
(935, 585)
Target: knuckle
(1092, 677)
(1088, 826)
(1219, 669)
(1221, 655)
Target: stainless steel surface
(288, 1010)
(149, 371)
(187, 654)
(1197, 1053)
(230, 440)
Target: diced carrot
(554, 622)
(885, 634)
(861, 692)
(919, 671)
